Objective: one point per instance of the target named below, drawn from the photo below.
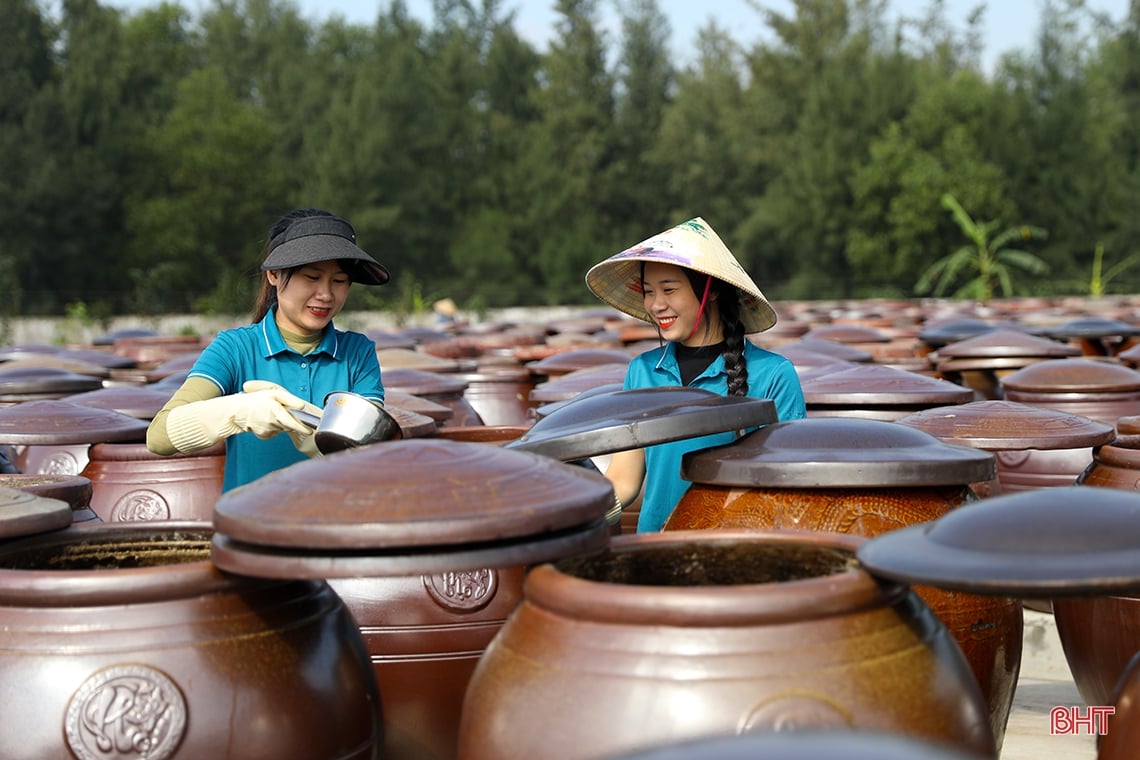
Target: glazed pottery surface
(73, 489)
(804, 745)
(1099, 635)
(672, 636)
(427, 541)
(861, 477)
(129, 482)
(125, 641)
(1122, 741)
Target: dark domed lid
(418, 404)
(1073, 375)
(23, 513)
(838, 452)
(1005, 342)
(832, 348)
(1047, 542)
(44, 379)
(953, 331)
(131, 400)
(1093, 327)
(1008, 425)
(55, 421)
(571, 384)
(877, 385)
(578, 358)
(602, 423)
(421, 382)
(847, 334)
(407, 507)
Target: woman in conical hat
(688, 284)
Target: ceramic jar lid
(954, 330)
(1004, 342)
(572, 384)
(24, 514)
(578, 358)
(831, 348)
(40, 379)
(878, 385)
(56, 421)
(421, 382)
(838, 452)
(1008, 425)
(131, 400)
(847, 334)
(1093, 327)
(418, 404)
(415, 506)
(603, 423)
(1073, 376)
(412, 424)
(1047, 542)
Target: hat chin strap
(701, 308)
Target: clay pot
(804, 745)
(442, 388)
(1100, 390)
(1116, 463)
(982, 361)
(500, 394)
(73, 489)
(875, 391)
(575, 359)
(672, 636)
(1122, 741)
(55, 435)
(126, 641)
(1033, 446)
(863, 477)
(427, 541)
(1099, 635)
(131, 483)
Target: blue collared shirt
(343, 361)
(770, 376)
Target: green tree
(986, 260)
(565, 158)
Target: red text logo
(1074, 720)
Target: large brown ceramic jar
(125, 641)
(674, 636)
(1122, 741)
(54, 436)
(129, 482)
(427, 541)
(1100, 390)
(1099, 635)
(1033, 446)
(982, 361)
(863, 477)
(875, 391)
(73, 489)
(442, 388)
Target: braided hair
(728, 300)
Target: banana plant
(985, 263)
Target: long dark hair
(728, 305)
(267, 293)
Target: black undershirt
(692, 361)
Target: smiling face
(674, 307)
(309, 298)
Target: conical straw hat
(693, 245)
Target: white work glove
(262, 409)
(305, 442)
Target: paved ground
(1044, 683)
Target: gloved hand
(262, 409)
(305, 442)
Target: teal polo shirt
(770, 376)
(343, 361)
